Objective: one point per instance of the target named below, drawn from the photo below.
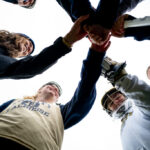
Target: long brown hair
(9, 42)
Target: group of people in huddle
(38, 122)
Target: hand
(101, 48)
(97, 34)
(25, 2)
(76, 33)
(118, 27)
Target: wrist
(97, 48)
(68, 41)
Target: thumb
(82, 18)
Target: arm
(139, 28)
(127, 5)
(85, 94)
(76, 8)
(6, 104)
(135, 89)
(12, 1)
(82, 101)
(106, 13)
(31, 66)
(34, 65)
(129, 26)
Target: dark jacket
(12, 1)
(31, 65)
(83, 99)
(127, 5)
(105, 14)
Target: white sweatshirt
(135, 131)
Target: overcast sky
(45, 23)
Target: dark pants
(7, 144)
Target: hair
(33, 97)
(30, 97)
(9, 42)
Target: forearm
(127, 5)
(107, 13)
(135, 89)
(139, 28)
(29, 67)
(5, 105)
(12, 1)
(76, 8)
(82, 101)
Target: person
(128, 101)
(130, 26)
(14, 45)
(38, 122)
(23, 3)
(97, 21)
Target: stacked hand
(118, 27)
(98, 34)
(78, 31)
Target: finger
(82, 18)
(96, 39)
(107, 45)
(85, 27)
(107, 39)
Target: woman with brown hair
(15, 45)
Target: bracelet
(66, 43)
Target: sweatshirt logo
(30, 105)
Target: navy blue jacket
(83, 99)
(105, 14)
(31, 65)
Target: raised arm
(34, 65)
(82, 101)
(131, 86)
(76, 8)
(135, 89)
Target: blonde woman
(37, 122)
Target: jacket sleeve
(76, 8)
(137, 90)
(34, 65)
(6, 104)
(127, 5)
(12, 1)
(138, 28)
(83, 99)
(109, 10)
(106, 13)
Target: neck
(46, 98)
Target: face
(49, 91)
(148, 72)
(115, 100)
(25, 3)
(25, 46)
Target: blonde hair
(9, 42)
(30, 97)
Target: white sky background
(46, 22)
